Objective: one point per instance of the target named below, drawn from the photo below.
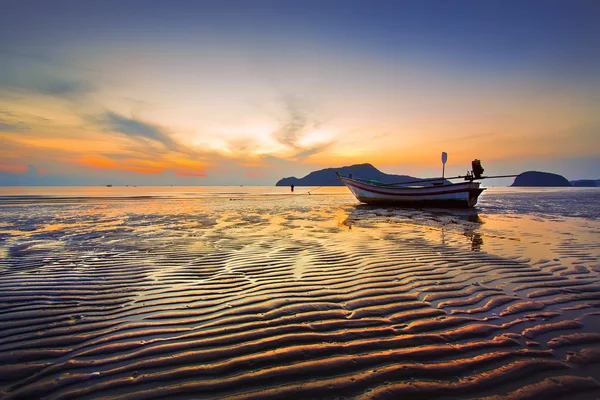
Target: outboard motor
(477, 168)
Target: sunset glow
(234, 92)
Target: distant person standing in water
(292, 187)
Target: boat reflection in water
(476, 241)
(438, 225)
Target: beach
(258, 293)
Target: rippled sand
(306, 297)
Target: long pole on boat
(444, 160)
(466, 177)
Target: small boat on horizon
(422, 192)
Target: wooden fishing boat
(422, 192)
(464, 194)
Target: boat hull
(450, 195)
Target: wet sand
(303, 297)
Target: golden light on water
(150, 276)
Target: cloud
(298, 121)
(13, 168)
(106, 163)
(307, 152)
(8, 126)
(19, 174)
(26, 73)
(32, 171)
(117, 156)
(7, 113)
(136, 128)
(190, 174)
(11, 122)
(295, 124)
(255, 174)
(47, 85)
(242, 145)
(63, 88)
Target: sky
(231, 92)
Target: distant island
(539, 179)
(586, 183)
(327, 177)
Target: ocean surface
(257, 292)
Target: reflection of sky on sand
(263, 224)
(213, 223)
(523, 237)
(538, 239)
(193, 273)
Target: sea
(248, 292)
(553, 202)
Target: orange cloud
(107, 163)
(44, 171)
(257, 174)
(189, 174)
(13, 168)
(185, 164)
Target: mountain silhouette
(327, 177)
(537, 178)
(586, 183)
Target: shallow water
(254, 292)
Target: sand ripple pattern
(189, 299)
